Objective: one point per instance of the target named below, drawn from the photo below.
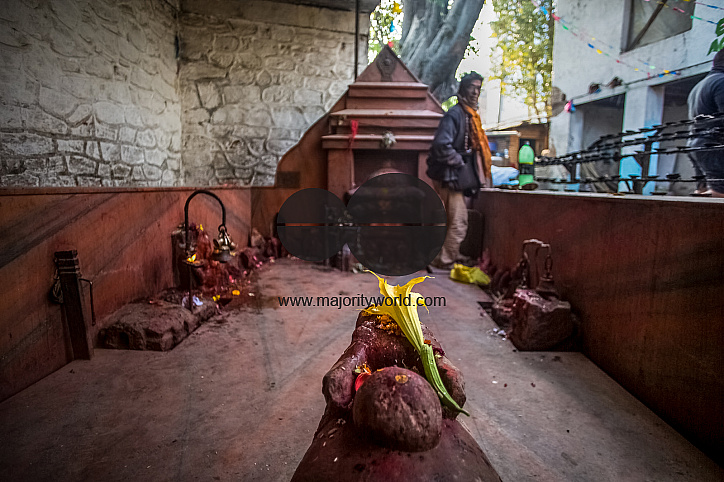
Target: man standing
(459, 138)
(705, 99)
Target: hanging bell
(223, 246)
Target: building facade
(623, 65)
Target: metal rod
(186, 214)
(356, 38)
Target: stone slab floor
(240, 399)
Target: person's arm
(442, 145)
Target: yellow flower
(402, 307)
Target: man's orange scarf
(479, 140)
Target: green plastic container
(526, 158)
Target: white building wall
(576, 65)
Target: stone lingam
(383, 420)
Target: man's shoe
(436, 264)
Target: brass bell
(223, 246)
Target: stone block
(19, 180)
(120, 171)
(108, 113)
(106, 132)
(208, 93)
(81, 114)
(172, 164)
(288, 117)
(277, 94)
(248, 60)
(81, 165)
(133, 116)
(243, 28)
(230, 114)
(226, 43)
(56, 164)
(74, 146)
(279, 146)
(128, 51)
(92, 150)
(200, 70)
(137, 173)
(197, 151)
(88, 181)
(313, 113)
(168, 178)
(237, 94)
(57, 102)
(98, 66)
(25, 144)
(221, 60)
(136, 36)
(146, 138)
(110, 152)
(263, 78)
(132, 155)
(104, 170)
(38, 120)
(152, 173)
(126, 135)
(243, 132)
(155, 157)
(307, 97)
(197, 116)
(241, 76)
(11, 117)
(258, 117)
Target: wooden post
(69, 274)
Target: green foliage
(451, 101)
(525, 40)
(387, 13)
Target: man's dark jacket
(447, 145)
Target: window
(651, 21)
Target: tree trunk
(434, 40)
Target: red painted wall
(646, 276)
(123, 239)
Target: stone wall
(253, 77)
(88, 93)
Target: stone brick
(120, 171)
(104, 170)
(168, 178)
(248, 60)
(200, 70)
(38, 120)
(243, 132)
(172, 164)
(110, 151)
(258, 117)
(226, 43)
(25, 144)
(133, 116)
(243, 28)
(277, 94)
(92, 150)
(97, 66)
(106, 132)
(88, 181)
(132, 155)
(240, 76)
(56, 164)
(287, 117)
(208, 94)
(279, 63)
(137, 174)
(108, 113)
(263, 78)
(279, 146)
(126, 135)
(230, 114)
(197, 116)
(238, 94)
(81, 114)
(146, 139)
(152, 173)
(155, 157)
(57, 102)
(71, 146)
(11, 117)
(81, 165)
(307, 97)
(20, 180)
